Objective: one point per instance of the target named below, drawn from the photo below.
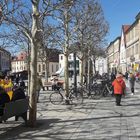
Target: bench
(47, 85)
(16, 108)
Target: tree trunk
(88, 72)
(29, 78)
(81, 71)
(66, 54)
(66, 72)
(94, 65)
(33, 67)
(35, 44)
(47, 70)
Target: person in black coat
(18, 93)
(4, 98)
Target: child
(119, 87)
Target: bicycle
(106, 89)
(57, 97)
(94, 92)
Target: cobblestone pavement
(94, 120)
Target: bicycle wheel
(76, 99)
(96, 94)
(105, 92)
(56, 98)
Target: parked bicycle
(94, 93)
(57, 97)
(105, 88)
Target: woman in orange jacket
(119, 87)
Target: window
(52, 67)
(39, 68)
(56, 67)
(43, 67)
(61, 57)
(132, 50)
(136, 49)
(69, 56)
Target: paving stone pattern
(94, 120)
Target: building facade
(101, 65)
(71, 64)
(19, 63)
(113, 56)
(133, 46)
(5, 60)
(128, 48)
(123, 57)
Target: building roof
(125, 28)
(3, 50)
(53, 56)
(117, 38)
(20, 57)
(137, 18)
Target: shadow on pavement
(25, 132)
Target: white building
(101, 65)
(71, 64)
(19, 63)
(123, 63)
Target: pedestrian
(132, 82)
(17, 79)
(8, 86)
(137, 76)
(113, 77)
(54, 80)
(22, 84)
(18, 93)
(126, 75)
(1, 82)
(85, 79)
(119, 87)
(39, 86)
(4, 98)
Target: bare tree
(19, 16)
(50, 46)
(64, 18)
(90, 29)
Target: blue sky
(118, 13)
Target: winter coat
(132, 80)
(4, 98)
(8, 88)
(119, 86)
(18, 94)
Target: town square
(69, 70)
